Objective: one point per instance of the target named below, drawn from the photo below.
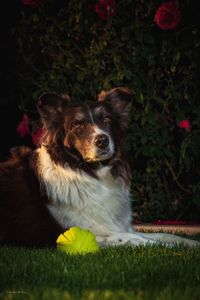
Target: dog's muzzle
(101, 141)
(102, 148)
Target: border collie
(78, 177)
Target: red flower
(37, 135)
(167, 16)
(185, 124)
(105, 9)
(32, 3)
(23, 127)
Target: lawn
(141, 273)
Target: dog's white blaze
(91, 116)
(77, 199)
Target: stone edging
(189, 229)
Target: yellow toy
(77, 241)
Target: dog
(79, 176)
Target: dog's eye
(107, 120)
(77, 124)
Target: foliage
(64, 46)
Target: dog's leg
(123, 238)
(138, 238)
(170, 239)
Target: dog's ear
(51, 106)
(120, 99)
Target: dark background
(9, 96)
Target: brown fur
(24, 219)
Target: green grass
(140, 273)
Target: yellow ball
(77, 241)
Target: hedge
(73, 47)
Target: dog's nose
(101, 141)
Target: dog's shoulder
(24, 218)
(20, 152)
(18, 168)
(19, 158)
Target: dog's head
(90, 130)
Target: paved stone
(189, 229)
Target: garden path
(148, 227)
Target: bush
(67, 46)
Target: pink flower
(23, 127)
(37, 135)
(185, 124)
(105, 9)
(167, 15)
(32, 3)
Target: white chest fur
(77, 199)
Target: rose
(37, 135)
(105, 9)
(167, 16)
(23, 127)
(32, 3)
(185, 124)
